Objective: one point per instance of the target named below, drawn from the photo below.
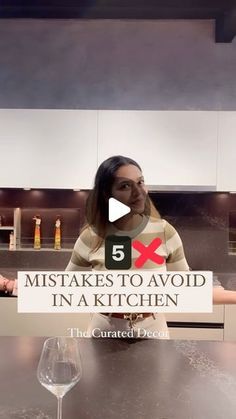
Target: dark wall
(202, 220)
(115, 64)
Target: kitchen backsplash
(202, 220)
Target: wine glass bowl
(59, 367)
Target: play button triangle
(116, 209)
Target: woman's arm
(222, 296)
(80, 256)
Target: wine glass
(59, 367)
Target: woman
(121, 178)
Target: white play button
(116, 209)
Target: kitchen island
(146, 379)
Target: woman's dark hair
(97, 202)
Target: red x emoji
(148, 252)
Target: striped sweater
(171, 248)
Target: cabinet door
(173, 148)
(230, 322)
(39, 324)
(226, 168)
(48, 148)
(196, 334)
(217, 316)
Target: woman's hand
(8, 285)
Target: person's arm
(80, 256)
(222, 296)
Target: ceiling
(223, 12)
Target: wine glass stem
(59, 408)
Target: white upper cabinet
(172, 147)
(48, 148)
(226, 179)
(61, 148)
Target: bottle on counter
(57, 238)
(11, 241)
(37, 235)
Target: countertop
(146, 379)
